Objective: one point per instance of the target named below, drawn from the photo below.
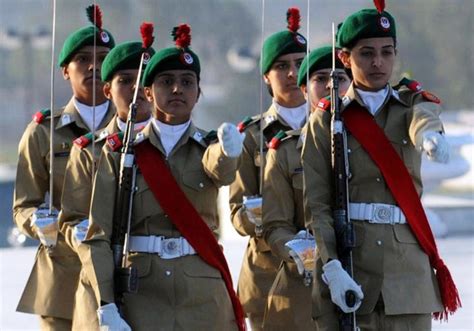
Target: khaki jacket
(259, 266)
(75, 203)
(289, 300)
(387, 259)
(52, 283)
(183, 293)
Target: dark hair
(269, 89)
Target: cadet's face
(282, 78)
(320, 85)
(120, 90)
(371, 61)
(174, 94)
(80, 72)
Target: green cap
(366, 23)
(179, 57)
(84, 37)
(283, 42)
(319, 58)
(125, 56)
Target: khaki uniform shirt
(184, 293)
(75, 203)
(259, 266)
(52, 283)
(289, 300)
(387, 259)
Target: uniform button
(404, 141)
(378, 179)
(168, 273)
(201, 185)
(379, 242)
(349, 150)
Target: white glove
(46, 226)
(436, 147)
(110, 320)
(231, 139)
(339, 282)
(80, 230)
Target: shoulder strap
(184, 216)
(372, 138)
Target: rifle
(126, 278)
(345, 235)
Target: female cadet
(282, 54)
(289, 299)
(119, 72)
(395, 252)
(184, 282)
(53, 280)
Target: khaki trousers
(378, 321)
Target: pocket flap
(404, 234)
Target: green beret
(366, 23)
(84, 37)
(320, 58)
(281, 43)
(125, 56)
(171, 58)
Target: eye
(282, 66)
(81, 58)
(298, 64)
(342, 79)
(387, 52)
(125, 80)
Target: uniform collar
(352, 95)
(71, 115)
(192, 132)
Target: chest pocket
(297, 179)
(144, 202)
(197, 180)
(62, 150)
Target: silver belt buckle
(382, 214)
(171, 248)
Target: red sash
(185, 217)
(372, 138)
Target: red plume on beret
(182, 35)
(293, 18)
(146, 30)
(94, 14)
(380, 5)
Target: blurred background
(435, 45)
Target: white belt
(169, 248)
(379, 213)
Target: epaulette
(210, 137)
(115, 141)
(276, 141)
(83, 140)
(39, 116)
(414, 86)
(246, 122)
(325, 103)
